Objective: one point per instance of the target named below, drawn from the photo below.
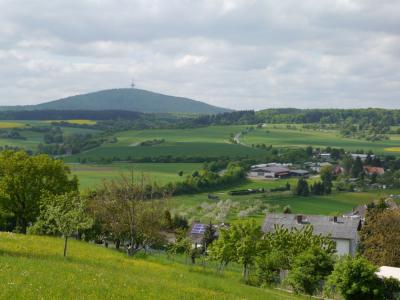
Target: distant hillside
(125, 99)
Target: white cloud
(189, 60)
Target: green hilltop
(127, 99)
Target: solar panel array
(199, 229)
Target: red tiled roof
(374, 170)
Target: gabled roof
(336, 227)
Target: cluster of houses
(344, 230)
(328, 156)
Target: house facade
(342, 230)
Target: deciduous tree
(380, 238)
(66, 214)
(130, 209)
(25, 179)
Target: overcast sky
(241, 54)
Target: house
(389, 272)
(363, 157)
(337, 170)
(374, 170)
(318, 166)
(197, 230)
(343, 230)
(269, 172)
(325, 156)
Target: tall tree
(24, 180)
(302, 188)
(357, 169)
(326, 178)
(209, 236)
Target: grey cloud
(236, 53)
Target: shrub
(354, 278)
(309, 270)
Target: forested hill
(125, 99)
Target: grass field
(32, 267)
(283, 137)
(9, 125)
(209, 150)
(92, 175)
(34, 138)
(210, 141)
(392, 149)
(211, 134)
(78, 122)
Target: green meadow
(209, 142)
(180, 149)
(279, 136)
(162, 173)
(32, 267)
(210, 134)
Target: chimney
(335, 219)
(299, 219)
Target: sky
(241, 54)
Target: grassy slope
(281, 136)
(91, 175)
(33, 268)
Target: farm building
(275, 170)
(343, 230)
(269, 172)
